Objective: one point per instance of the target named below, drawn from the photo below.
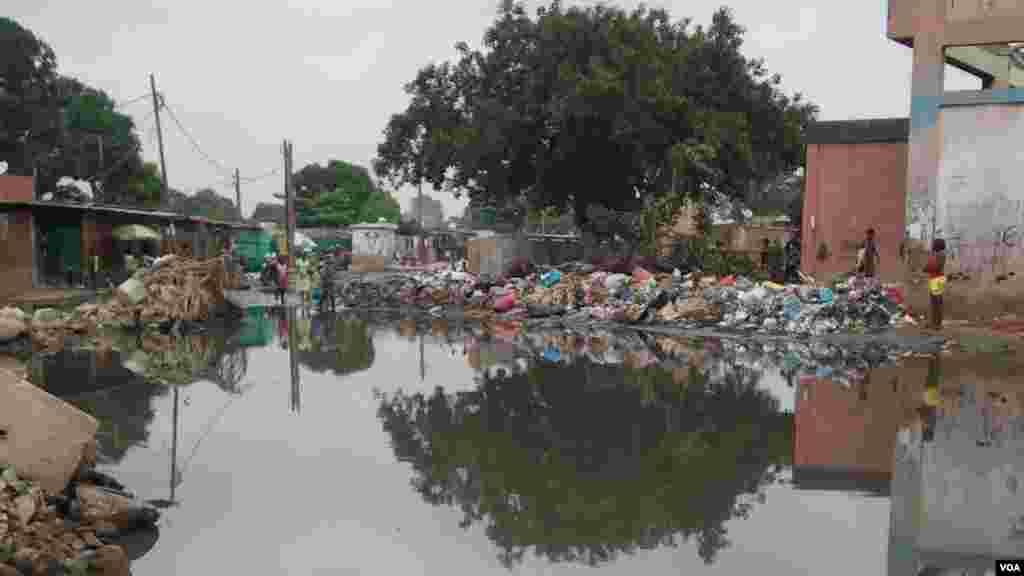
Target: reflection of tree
(117, 398)
(582, 467)
(345, 347)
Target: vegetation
(340, 194)
(579, 107)
(61, 127)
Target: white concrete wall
(981, 187)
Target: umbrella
(135, 232)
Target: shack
(66, 245)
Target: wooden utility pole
(238, 194)
(157, 104)
(289, 203)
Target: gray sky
(328, 74)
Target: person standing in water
(936, 271)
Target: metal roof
(873, 131)
(106, 209)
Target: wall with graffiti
(980, 188)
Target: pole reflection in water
(296, 401)
(174, 447)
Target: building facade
(964, 156)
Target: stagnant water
(335, 445)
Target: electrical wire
(131, 101)
(250, 179)
(192, 140)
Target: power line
(188, 135)
(251, 179)
(131, 101)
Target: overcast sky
(327, 74)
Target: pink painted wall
(850, 188)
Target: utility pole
(238, 194)
(421, 250)
(289, 203)
(157, 104)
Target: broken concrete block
(111, 561)
(132, 290)
(14, 312)
(11, 328)
(101, 505)
(41, 436)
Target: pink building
(856, 178)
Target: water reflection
(586, 462)
(552, 448)
(956, 501)
(99, 384)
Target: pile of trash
(173, 291)
(58, 515)
(576, 293)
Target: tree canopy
(586, 463)
(62, 127)
(340, 194)
(595, 106)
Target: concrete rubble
(173, 291)
(58, 515)
(580, 292)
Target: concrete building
(855, 180)
(959, 160)
(964, 160)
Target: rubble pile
(581, 293)
(174, 290)
(58, 515)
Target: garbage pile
(58, 515)
(175, 290)
(582, 293)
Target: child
(936, 271)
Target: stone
(11, 328)
(42, 437)
(101, 505)
(111, 560)
(8, 570)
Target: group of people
(310, 272)
(868, 263)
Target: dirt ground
(967, 301)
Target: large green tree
(61, 127)
(586, 463)
(595, 106)
(29, 115)
(339, 194)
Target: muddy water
(293, 445)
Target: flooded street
(371, 446)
